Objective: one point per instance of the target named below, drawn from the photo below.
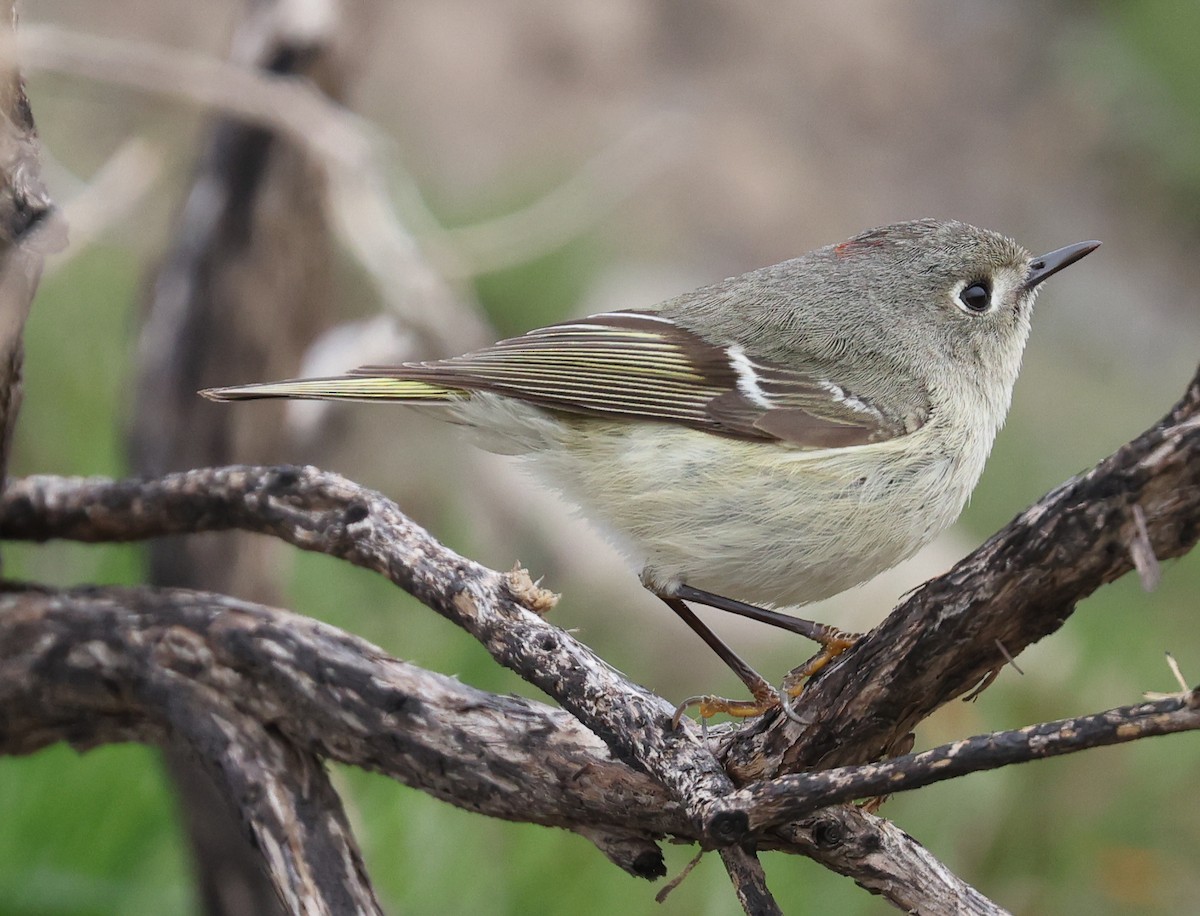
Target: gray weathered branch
(74, 667)
(98, 665)
(327, 513)
(797, 795)
(885, 860)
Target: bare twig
(885, 860)
(797, 795)
(97, 665)
(749, 882)
(113, 192)
(284, 799)
(64, 677)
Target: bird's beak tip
(1047, 265)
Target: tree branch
(884, 860)
(284, 799)
(749, 882)
(326, 513)
(72, 667)
(96, 665)
(797, 795)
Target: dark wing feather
(640, 365)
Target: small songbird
(770, 440)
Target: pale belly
(761, 522)
(764, 524)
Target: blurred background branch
(241, 290)
(341, 146)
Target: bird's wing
(642, 365)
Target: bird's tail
(342, 388)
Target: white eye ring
(975, 297)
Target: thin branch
(884, 860)
(749, 882)
(797, 795)
(283, 797)
(99, 510)
(114, 191)
(98, 665)
(64, 676)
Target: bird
(763, 442)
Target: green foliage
(540, 292)
(1153, 85)
(92, 834)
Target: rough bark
(96, 665)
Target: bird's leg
(810, 629)
(765, 696)
(833, 641)
(838, 642)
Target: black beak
(1050, 264)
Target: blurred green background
(792, 127)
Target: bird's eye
(976, 297)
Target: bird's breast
(763, 522)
